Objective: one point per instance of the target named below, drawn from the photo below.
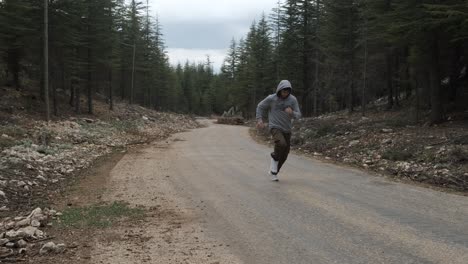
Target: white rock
(21, 243)
(10, 245)
(42, 178)
(21, 183)
(47, 248)
(35, 223)
(37, 211)
(12, 234)
(387, 141)
(3, 241)
(354, 143)
(2, 194)
(60, 248)
(5, 136)
(29, 231)
(23, 223)
(10, 225)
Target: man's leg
(281, 147)
(287, 138)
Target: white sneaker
(274, 177)
(273, 166)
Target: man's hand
(289, 110)
(260, 124)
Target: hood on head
(284, 84)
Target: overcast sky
(193, 29)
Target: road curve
(317, 213)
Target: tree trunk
(54, 93)
(13, 68)
(72, 94)
(406, 84)
(389, 77)
(89, 84)
(364, 82)
(317, 58)
(77, 89)
(111, 99)
(122, 80)
(434, 77)
(397, 80)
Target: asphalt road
(317, 212)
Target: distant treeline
(338, 54)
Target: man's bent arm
(296, 111)
(262, 108)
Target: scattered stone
(51, 247)
(3, 241)
(10, 225)
(387, 141)
(47, 248)
(10, 245)
(23, 223)
(5, 252)
(354, 143)
(52, 212)
(60, 248)
(21, 243)
(2, 194)
(35, 223)
(21, 183)
(35, 213)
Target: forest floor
(62, 167)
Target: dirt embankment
(388, 143)
(40, 160)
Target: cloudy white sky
(193, 29)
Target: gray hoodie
(274, 105)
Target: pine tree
(19, 20)
(340, 37)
